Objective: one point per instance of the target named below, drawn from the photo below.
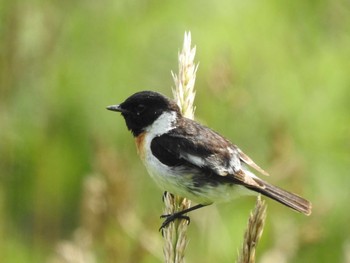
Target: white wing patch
(196, 160)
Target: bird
(191, 160)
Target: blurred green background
(274, 77)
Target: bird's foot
(171, 217)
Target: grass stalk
(175, 235)
(253, 232)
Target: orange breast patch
(140, 145)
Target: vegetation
(273, 78)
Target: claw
(171, 217)
(178, 215)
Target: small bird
(191, 160)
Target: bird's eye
(140, 108)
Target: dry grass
(253, 232)
(175, 236)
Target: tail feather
(282, 196)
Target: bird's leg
(178, 215)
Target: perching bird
(190, 160)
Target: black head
(143, 108)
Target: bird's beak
(115, 108)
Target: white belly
(171, 180)
(168, 180)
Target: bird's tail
(282, 196)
